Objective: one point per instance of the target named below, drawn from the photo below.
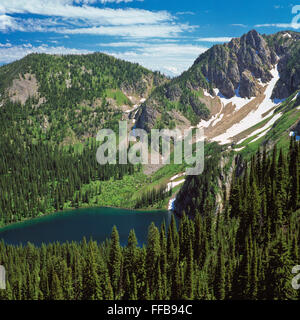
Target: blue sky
(165, 35)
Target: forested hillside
(71, 97)
(51, 108)
(239, 232)
(245, 253)
(199, 193)
(37, 177)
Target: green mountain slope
(71, 97)
(51, 110)
(279, 133)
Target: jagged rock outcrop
(287, 46)
(289, 80)
(248, 85)
(146, 117)
(236, 65)
(241, 68)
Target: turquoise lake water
(73, 225)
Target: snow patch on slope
(218, 119)
(206, 124)
(177, 176)
(172, 185)
(253, 117)
(265, 129)
(237, 100)
(286, 35)
(296, 96)
(207, 94)
(171, 205)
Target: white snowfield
(272, 121)
(286, 35)
(135, 109)
(260, 82)
(136, 106)
(205, 92)
(253, 117)
(239, 149)
(262, 131)
(213, 120)
(172, 185)
(219, 118)
(177, 176)
(206, 124)
(237, 100)
(171, 204)
(296, 96)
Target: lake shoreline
(67, 210)
(90, 223)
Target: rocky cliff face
(236, 66)
(146, 116)
(240, 68)
(287, 46)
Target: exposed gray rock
(287, 47)
(174, 92)
(231, 67)
(224, 65)
(248, 87)
(146, 116)
(289, 80)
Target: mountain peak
(237, 71)
(253, 32)
(238, 64)
(255, 41)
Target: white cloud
(7, 23)
(115, 1)
(239, 25)
(5, 45)
(186, 13)
(67, 9)
(150, 36)
(127, 44)
(12, 53)
(80, 17)
(216, 39)
(121, 44)
(136, 31)
(170, 58)
(279, 25)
